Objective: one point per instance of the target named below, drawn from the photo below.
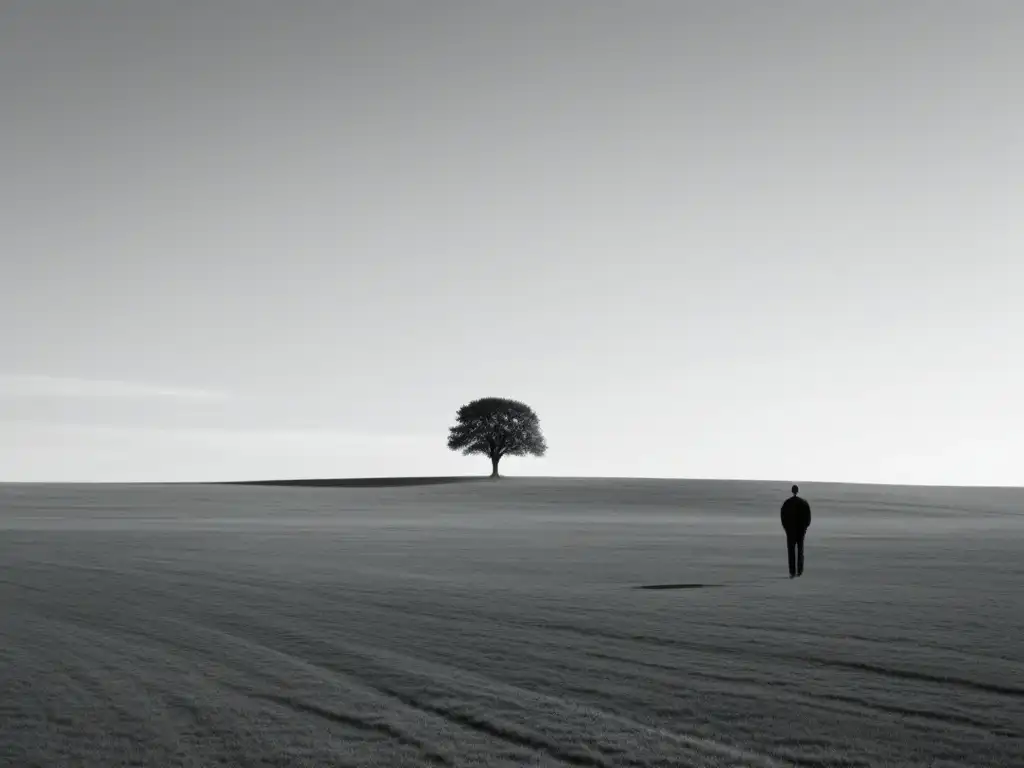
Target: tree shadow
(677, 586)
(361, 482)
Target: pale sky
(765, 240)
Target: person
(796, 519)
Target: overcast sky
(772, 240)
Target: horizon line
(396, 481)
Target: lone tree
(497, 427)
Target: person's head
(796, 489)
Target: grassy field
(503, 624)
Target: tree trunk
(494, 465)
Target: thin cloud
(246, 437)
(32, 385)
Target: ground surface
(500, 624)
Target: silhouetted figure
(796, 519)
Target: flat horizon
(412, 480)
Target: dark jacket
(796, 514)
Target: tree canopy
(497, 427)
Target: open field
(501, 624)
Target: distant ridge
(392, 482)
(363, 482)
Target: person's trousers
(795, 548)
